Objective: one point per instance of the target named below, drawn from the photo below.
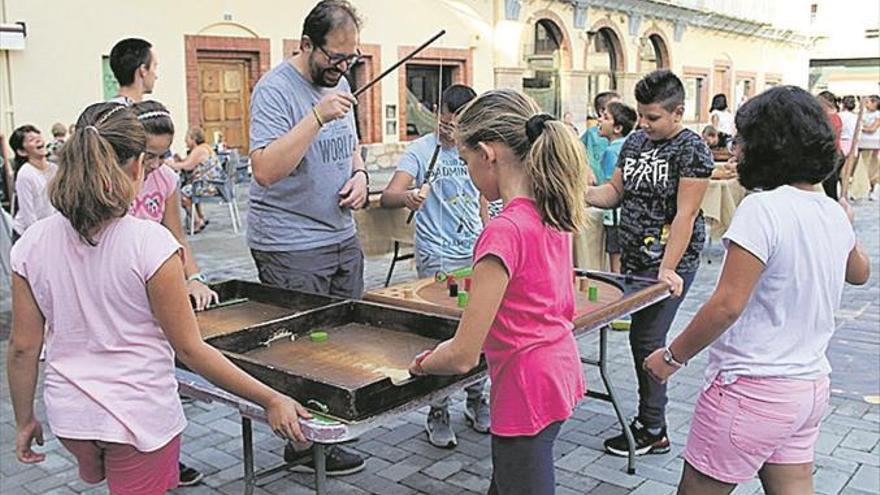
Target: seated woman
(202, 172)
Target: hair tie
(150, 115)
(535, 126)
(92, 128)
(109, 113)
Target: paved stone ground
(401, 462)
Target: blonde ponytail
(554, 159)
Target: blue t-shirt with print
(448, 223)
(651, 172)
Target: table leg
(320, 469)
(248, 454)
(603, 372)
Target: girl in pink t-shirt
(522, 299)
(108, 289)
(159, 198)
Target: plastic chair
(225, 191)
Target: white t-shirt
(725, 122)
(848, 130)
(870, 140)
(31, 189)
(804, 240)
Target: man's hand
(334, 106)
(354, 193)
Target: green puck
(593, 293)
(462, 299)
(318, 336)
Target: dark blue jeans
(647, 334)
(524, 465)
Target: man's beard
(324, 77)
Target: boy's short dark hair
(457, 96)
(126, 56)
(785, 137)
(709, 130)
(601, 100)
(326, 16)
(662, 87)
(623, 115)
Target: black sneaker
(646, 443)
(339, 461)
(188, 476)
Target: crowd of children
(103, 276)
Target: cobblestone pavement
(400, 461)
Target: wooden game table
(613, 296)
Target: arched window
(548, 37)
(653, 53)
(603, 63)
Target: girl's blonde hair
(554, 159)
(91, 185)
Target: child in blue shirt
(448, 221)
(593, 141)
(615, 124)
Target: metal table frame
(320, 431)
(602, 363)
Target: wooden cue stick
(426, 185)
(399, 63)
(853, 155)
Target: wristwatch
(669, 359)
(197, 276)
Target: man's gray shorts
(336, 270)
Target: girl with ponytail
(109, 290)
(521, 304)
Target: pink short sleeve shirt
(109, 371)
(533, 359)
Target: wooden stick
(399, 63)
(853, 156)
(426, 185)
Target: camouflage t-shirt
(651, 171)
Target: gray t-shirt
(448, 223)
(300, 211)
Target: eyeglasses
(339, 58)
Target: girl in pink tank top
(521, 302)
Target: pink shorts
(128, 470)
(737, 428)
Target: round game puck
(318, 336)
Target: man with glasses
(308, 176)
(448, 222)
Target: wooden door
(721, 83)
(223, 92)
